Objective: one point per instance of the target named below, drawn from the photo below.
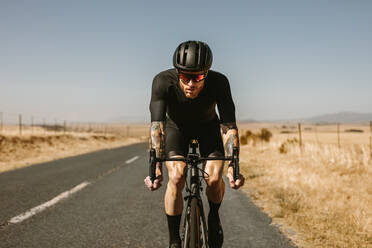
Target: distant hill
(341, 117)
(248, 121)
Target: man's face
(191, 83)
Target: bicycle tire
(194, 224)
(186, 228)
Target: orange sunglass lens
(184, 77)
(199, 77)
(195, 78)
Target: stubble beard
(191, 92)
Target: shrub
(250, 137)
(354, 130)
(286, 131)
(292, 141)
(243, 140)
(283, 148)
(285, 145)
(265, 135)
(248, 133)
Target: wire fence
(337, 134)
(25, 124)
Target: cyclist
(182, 107)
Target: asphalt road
(114, 210)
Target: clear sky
(95, 60)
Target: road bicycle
(194, 231)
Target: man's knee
(214, 170)
(177, 175)
(214, 181)
(177, 180)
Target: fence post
(64, 127)
(300, 136)
(338, 135)
(32, 125)
(20, 124)
(1, 122)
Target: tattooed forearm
(229, 144)
(230, 137)
(157, 138)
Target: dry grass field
(320, 195)
(37, 144)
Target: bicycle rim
(194, 224)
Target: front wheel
(194, 224)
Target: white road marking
(131, 160)
(55, 200)
(47, 204)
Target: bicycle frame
(192, 160)
(192, 198)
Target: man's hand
(234, 184)
(157, 182)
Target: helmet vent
(178, 58)
(183, 62)
(197, 54)
(206, 58)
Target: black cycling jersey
(168, 99)
(187, 119)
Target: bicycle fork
(194, 193)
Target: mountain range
(340, 117)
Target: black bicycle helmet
(193, 56)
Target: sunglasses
(185, 78)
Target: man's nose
(191, 82)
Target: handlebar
(152, 162)
(194, 159)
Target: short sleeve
(158, 103)
(225, 104)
